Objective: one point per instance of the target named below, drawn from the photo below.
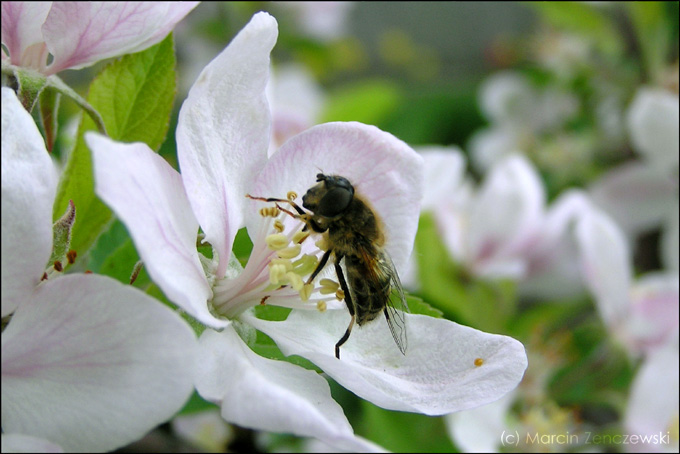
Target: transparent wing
(396, 305)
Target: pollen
(277, 241)
(478, 362)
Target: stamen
(292, 195)
(306, 291)
(277, 241)
(278, 226)
(328, 286)
(295, 280)
(340, 295)
(322, 244)
(270, 212)
(305, 265)
(321, 306)
(289, 252)
(276, 273)
(300, 236)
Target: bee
(354, 234)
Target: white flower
(88, 364)
(79, 34)
(223, 138)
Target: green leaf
(653, 30)
(417, 306)
(134, 97)
(367, 101)
(403, 432)
(582, 19)
(485, 305)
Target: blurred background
(528, 115)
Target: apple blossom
(88, 364)
(223, 136)
(79, 34)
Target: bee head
(330, 197)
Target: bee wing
(396, 305)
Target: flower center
(278, 270)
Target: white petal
(506, 214)
(28, 189)
(381, 167)
(653, 123)
(637, 195)
(444, 171)
(148, 196)
(21, 22)
(91, 364)
(480, 429)
(78, 34)
(606, 264)
(437, 375)
(270, 395)
(223, 133)
(653, 402)
(26, 443)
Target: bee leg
(350, 306)
(320, 266)
(272, 199)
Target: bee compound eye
(335, 201)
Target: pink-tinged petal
(605, 261)
(447, 367)
(444, 171)
(91, 364)
(270, 395)
(26, 443)
(223, 133)
(28, 190)
(653, 403)
(78, 34)
(148, 196)
(637, 195)
(21, 22)
(505, 216)
(382, 168)
(653, 123)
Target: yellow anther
(340, 295)
(328, 286)
(284, 262)
(306, 291)
(292, 195)
(322, 244)
(300, 236)
(305, 265)
(277, 241)
(278, 226)
(295, 280)
(289, 252)
(321, 306)
(479, 362)
(271, 212)
(276, 273)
